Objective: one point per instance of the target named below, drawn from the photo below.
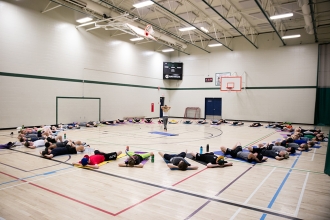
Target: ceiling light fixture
(83, 20)
(281, 16)
(204, 29)
(291, 36)
(215, 45)
(168, 50)
(136, 39)
(187, 29)
(143, 4)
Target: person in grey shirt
(177, 161)
(237, 152)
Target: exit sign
(210, 79)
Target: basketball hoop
(149, 30)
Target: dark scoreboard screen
(172, 70)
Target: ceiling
(223, 19)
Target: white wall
(49, 45)
(271, 66)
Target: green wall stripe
(140, 86)
(39, 77)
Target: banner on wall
(152, 107)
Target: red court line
(94, 207)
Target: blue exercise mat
(163, 133)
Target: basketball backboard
(231, 83)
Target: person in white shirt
(165, 115)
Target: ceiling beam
(148, 22)
(271, 23)
(313, 20)
(230, 23)
(190, 24)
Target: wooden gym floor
(35, 188)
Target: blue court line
(42, 174)
(280, 188)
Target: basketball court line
(280, 188)
(258, 209)
(221, 191)
(252, 194)
(34, 169)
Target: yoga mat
(163, 133)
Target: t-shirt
(95, 159)
(243, 155)
(39, 143)
(294, 145)
(278, 148)
(207, 158)
(176, 160)
(59, 151)
(137, 159)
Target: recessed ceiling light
(291, 36)
(204, 29)
(215, 45)
(168, 50)
(136, 39)
(83, 20)
(187, 29)
(281, 16)
(143, 4)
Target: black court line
(182, 192)
(59, 162)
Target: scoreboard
(172, 70)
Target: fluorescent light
(143, 4)
(83, 20)
(168, 50)
(136, 39)
(291, 36)
(187, 29)
(204, 29)
(215, 45)
(281, 16)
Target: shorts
(233, 153)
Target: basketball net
(149, 31)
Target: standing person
(165, 115)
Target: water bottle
(201, 150)
(152, 158)
(207, 148)
(64, 136)
(22, 126)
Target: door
(161, 103)
(213, 107)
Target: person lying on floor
(136, 120)
(218, 122)
(120, 121)
(147, 120)
(98, 157)
(177, 161)
(108, 122)
(69, 148)
(211, 159)
(187, 122)
(278, 155)
(34, 144)
(237, 152)
(173, 121)
(160, 121)
(255, 124)
(135, 159)
(202, 121)
(236, 123)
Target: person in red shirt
(98, 157)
